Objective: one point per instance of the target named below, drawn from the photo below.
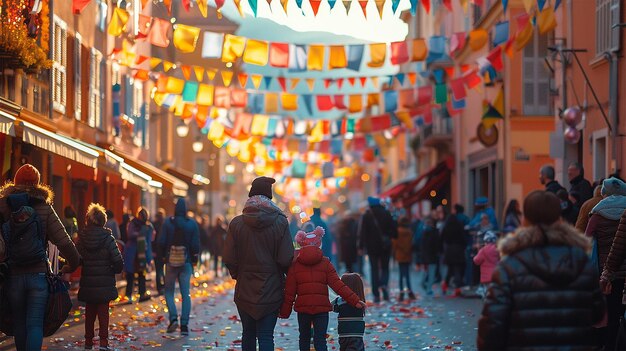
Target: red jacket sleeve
(290, 293)
(338, 286)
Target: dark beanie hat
(262, 186)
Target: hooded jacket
(487, 258)
(307, 284)
(101, 261)
(136, 228)
(189, 228)
(544, 293)
(403, 245)
(585, 210)
(617, 254)
(258, 252)
(41, 200)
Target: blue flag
(355, 56)
(391, 100)
(308, 103)
(501, 34)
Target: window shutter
(78, 48)
(615, 20)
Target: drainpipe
(51, 79)
(613, 109)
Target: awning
(60, 145)
(395, 191)
(7, 124)
(434, 179)
(189, 177)
(157, 175)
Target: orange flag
(167, 65)
(337, 57)
(186, 71)
(311, 83)
(355, 103)
(294, 83)
(199, 72)
(315, 5)
(478, 38)
(420, 50)
(412, 77)
(118, 21)
(315, 60)
(378, 52)
(546, 22)
(243, 79)
(227, 77)
(186, 38)
(210, 73)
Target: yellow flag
(259, 125)
(373, 99)
(271, 102)
(528, 5)
(317, 133)
(199, 71)
(316, 58)
(159, 98)
(405, 117)
(167, 65)
(233, 47)
(227, 77)
(337, 57)
(175, 85)
(289, 101)
(420, 50)
(238, 5)
(210, 73)
(202, 6)
(379, 5)
(310, 82)
(355, 103)
(294, 83)
(117, 25)
(256, 80)
(179, 106)
(256, 52)
(186, 38)
(378, 52)
(524, 36)
(478, 38)
(546, 20)
(216, 131)
(154, 62)
(205, 95)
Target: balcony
(438, 134)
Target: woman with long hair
(138, 254)
(512, 216)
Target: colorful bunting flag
(158, 33)
(324, 103)
(391, 100)
(186, 69)
(399, 53)
(448, 4)
(524, 32)
(394, 5)
(289, 101)
(332, 3)
(378, 52)
(505, 4)
(420, 51)
(279, 55)
(337, 57)
(203, 7)
(294, 83)
(339, 102)
(271, 102)
(310, 82)
(363, 4)
(253, 5)
(167, 65)
(347, 4)
(426, 5)
(282, 82)
(355, 104)
(541, 4)
(373, 99)
(199, 72)
(243, 79)
(413, 7)
(212, 44)
(190, 92)
(437, 49)
(256, 52)
(495, 58)
(424, 95)
(308, 104)
(205, 95)
(233, 47)
(117, 25)
(154, 62)
(227, 77)
(186, 38)
(210, 73)
(315, 6)
(457, 42)
(546, 21)
(501, 33)
(379, 6)
(355, 56)
(297, 58)
(478, 38)
(458, 88)
(315, 60)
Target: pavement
(428, 323)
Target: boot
(411, 295)
(457, 292)
(444, 288)
(401, 297)
(385, 293)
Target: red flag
(363, 6)
(279, 55)
(448, 4)
(351, 80)
(79, 5)
(315, 5)
(340, 102)
(426, 5)
(243, 79)
(363, 81)
(283, 83)
(339, 83)
(458, 88)
(186, 4)
(327, 83)
(495, 58)
(399, 53)
(472, 79)
(424, 95)
(324, 102)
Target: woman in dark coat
(545, 293)
(101, 261)
(453, 237)
(347, 230)
(138, 254)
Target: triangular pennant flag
(227, 77)
(498, 102)
(168, 6)
(505, 4)
(400, 78)
(218, 7)
(268, 81)
(339, 83)
(448, 4)
(283, 83)
(284, 4)
(167, 65)
(187, 4)
(489, 112)
(238, 5)
(79, 5)
(186, 71)
(541, 4)
(332, 3)
(140, 59)
(351, 81)
(413, 7)
(311, 83)
(315, 5)
(379, 5)
(154, 62)
(142, 74)
(426, 5)
(210, 73)
(412, 78)
(299, 3)
(253, 6)
(243, 79)
(203, 7)
(118, 21)
(308, 103)
(294, 83)
(495, 58)
(524, 32)
(546, 21)
(557, 3)
(327, 82)
(394, 5)
(347, 4)
(528, 5)
(375, 82)
(363, 81)
(363, 4)
(199, 72)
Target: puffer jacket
(135, 229)
(585, 210)
(604, 229)
(402, 246)
(487, 258)
(190, 230)
(41, 197)
(101, 261)
(307, 283)
(617, 254)
(544, 294)
(258, 252)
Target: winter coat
(348, 240)
(216, 243)
(102, 260)
(569, 212)
(375, 223)
(114, 227)
(585, 211)
(258, 252)
(617, 254)
(453, 237)
(136, 228)
(604, 230)
(487, 258)
(582, 187)
(41, 200)
(430, 246)
(553, 187)
(308, 280)
(511, 222)
(188, 226)
(403, 245)
(490, 212)
(544, 294)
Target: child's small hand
(360, 305)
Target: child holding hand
(308, 280)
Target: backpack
(23, 233)
(177, 255)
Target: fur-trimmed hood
(558, 234)
(41, 191)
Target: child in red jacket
(308, 280)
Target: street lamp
(229, 168)
(182, 129)
(197, 145)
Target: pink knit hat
(313, 238)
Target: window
(536, 77)
(59, 65)
(78, 47)
(600, 155)
(607, 37)
(95, 74)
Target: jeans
(429, 277)
(262, 329)
(141, 283)
(28, 295)
(379, 265)
(183, 275)
(102, 312)
(320, 325)
(405, 277)
(615, 310)
(159, 266)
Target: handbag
(59, 304)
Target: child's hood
(310, 255)
(92, 237)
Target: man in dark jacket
(430, 249)
(376, 230)
(159, 263)
(576, 176)
(546, 177)
(258, 252)
(179, 245)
